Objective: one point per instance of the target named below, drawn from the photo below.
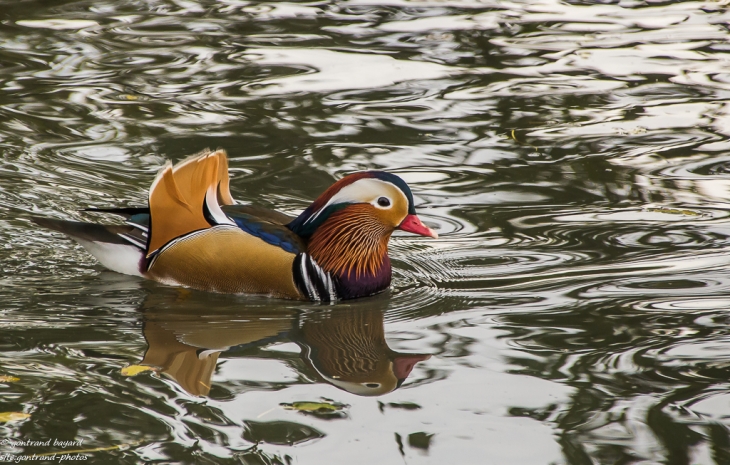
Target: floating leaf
(420, 440)
(130, 97)
(315, 407)
(674, 211)
(134, 370)
(8, 379)
(12, 416)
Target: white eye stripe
(362, 190)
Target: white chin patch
(121, 258)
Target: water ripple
(570, 155)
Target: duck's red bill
(413, 224)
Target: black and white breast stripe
(313, 281)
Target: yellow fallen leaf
(8, 379)
(314, 406)
(130, 97)
(134, 370)
(674, 211)
(12, 416)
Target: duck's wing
(275, 234)
(141, 215)
(194, 195)
(194, 243)
(266, 224)
(261, 222)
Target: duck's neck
(353, 246)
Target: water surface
(573, 157)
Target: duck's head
(369, 198)
(348, 227)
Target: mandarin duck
(193, 234)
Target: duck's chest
(350, 286)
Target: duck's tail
(183, 199)
(119, 248)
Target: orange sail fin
(186, 172)
(224, 189)
(180, 196)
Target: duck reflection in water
(344, 347)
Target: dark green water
(573, 156)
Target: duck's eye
(384, 202)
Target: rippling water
(573, 157)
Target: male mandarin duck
(193, 234)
